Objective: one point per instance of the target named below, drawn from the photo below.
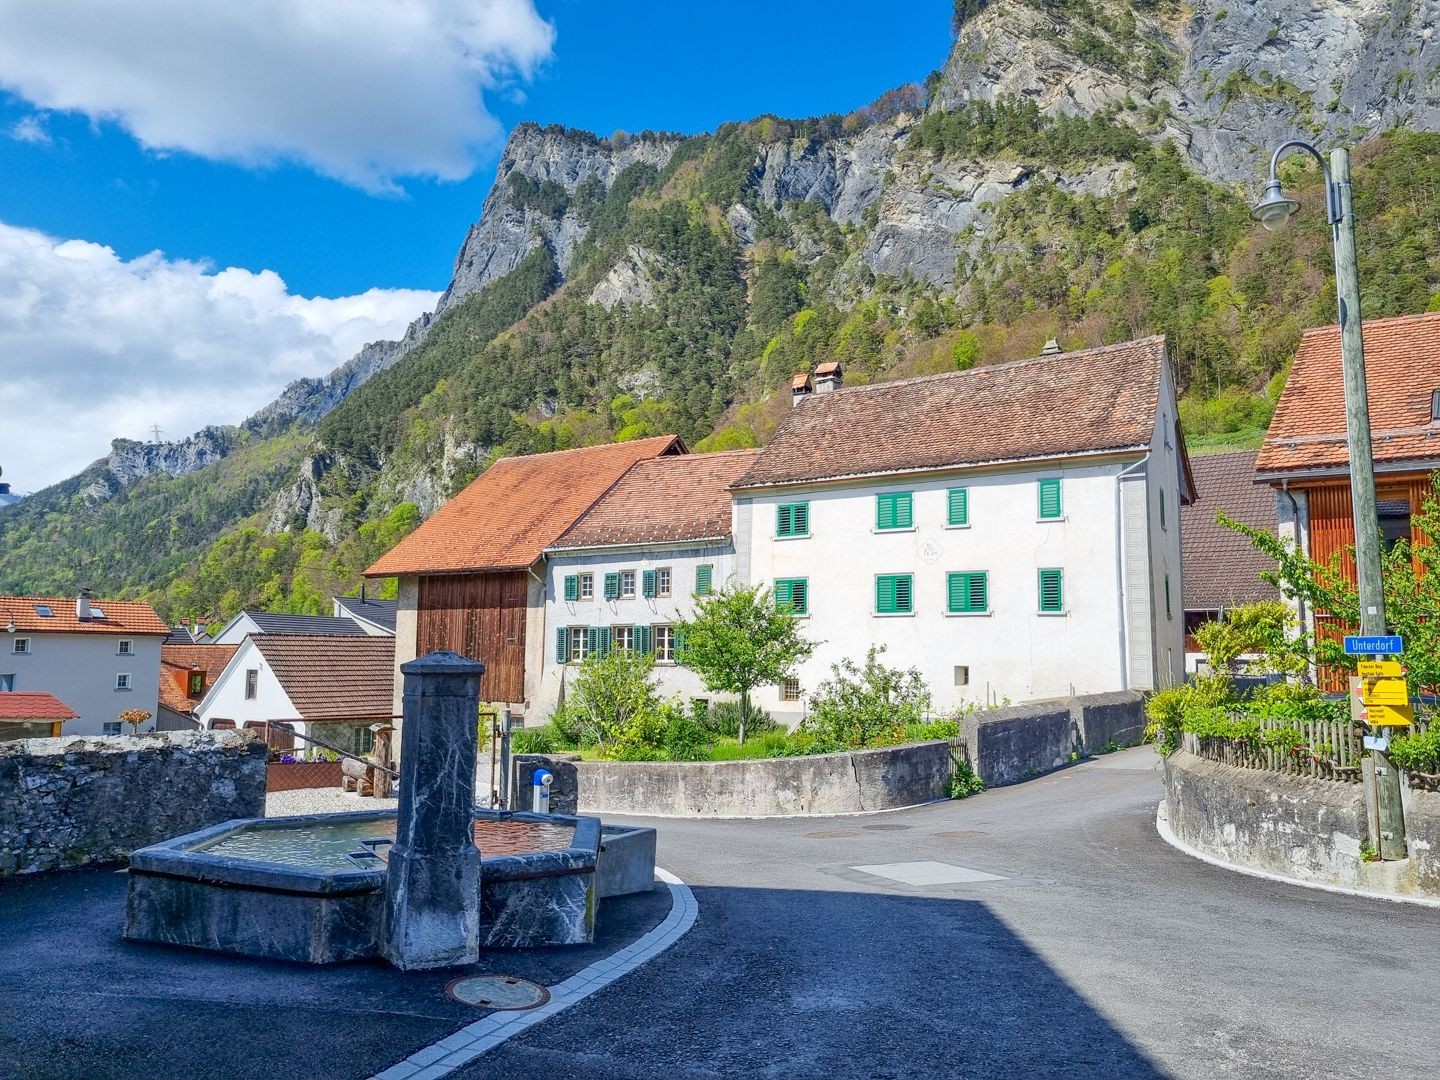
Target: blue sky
(201, 203)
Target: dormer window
(197, 683)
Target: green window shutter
(894, 594)
(793, 593)
(647, 583)
(703, 576)
(894, 510)
(1052, 590)
(562, 644)
(572, 586)
(1050, 498)
(603, 640)
(677, 642)
(592, 641)
(885, 595)
(782, 592)
(642, 641)
(958, 506)
(612, 586)
(784, 520)
(801, 512)
(968, 592)
(904, 593)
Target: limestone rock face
(130, 461)
(630, 282)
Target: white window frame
(112, 727)
(627, 584)
(122, 681)
(790, 689)
(664, 654)
(622, 638)
(579, 641)
(662, 581)
(587, 586)
(7, 678)
(125, 647)
(20, 646)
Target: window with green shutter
(968, 593)
(793, 593)
(792, 519)
(641, 640)
(894, 594)
(562, 644)
(704, 576)
(612, 586)
(1050, 507)
(957, 504)
(572, 586)
(894, 510)
(1052, 591)
(598, 642)
(647, 583)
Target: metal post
(1362, 475)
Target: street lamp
(1274, 209)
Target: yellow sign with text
(1389, 715)
(1380, 669)
(1384, 692)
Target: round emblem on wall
(930, 550)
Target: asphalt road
(1103, 953)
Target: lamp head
(1275, 208)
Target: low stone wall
(1021, 741)
(1299, 827)
(70, 801)
(844, 783)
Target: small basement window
(962, 674)
(790, 690)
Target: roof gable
(514, 510)
(1222, 568)
(333, 677)
(1052, 406)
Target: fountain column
(432, 884)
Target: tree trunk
(744, 714)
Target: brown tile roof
(333, 676)
(176, 664)
(17, 705)
(1094, 400)
(663, 500)
(517, 508)
(1402, 367)
(1221, 567)
(121, 616)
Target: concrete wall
(1016, 743)
(80, 670)
(773, 787)
(66, 802)
(1296, 826)
(407, 636)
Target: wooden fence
(1330, 750)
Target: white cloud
(30, 129)
(93, 347)
(365, 91)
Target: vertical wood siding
(481, 616)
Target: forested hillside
(616, 288)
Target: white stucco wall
(80, 670)
(226, 699)
(1162, 474)
(682, 561)
(1014, 651)
(236, 630)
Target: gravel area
(321, 801)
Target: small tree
(134, 717)
(1266, 627)
(614, 702)
(739, 639)
(858, 707)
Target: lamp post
(1274, 210)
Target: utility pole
(155, 432)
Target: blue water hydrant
(540, 790)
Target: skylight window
(44, 611)
(96, 613)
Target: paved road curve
(1099, 953)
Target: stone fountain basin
(183, 892)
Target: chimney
(362, 592)
(799, 388)
(82, 606)
(829, 376)
(1052, 348)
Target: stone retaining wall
(1015, 743)
(1299, 827)
(70, 801)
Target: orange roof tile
(1051, 406)
(22, 706)
(1402, 369)
(664, 500)
(516, 508)
(176, 664)
(121, 616)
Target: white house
(99, 657)
(631, 567)
(1012, 531)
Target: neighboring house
(1013, 531)
(100, 657)
(180, 634)
(375, 617)
(186, 674)
(472, 577)
(330, 686)
(263, 622)
(624, 574)
(1222, 567)
(1306, 460)
(32, 715)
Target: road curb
(1162, 826)
(464, 1046)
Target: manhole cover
(962, 834)
(843, 835)
(498, 992)
(886, 828)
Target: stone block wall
(70, 801)
(1015, 743)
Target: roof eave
(1331, 472)
(688, 541)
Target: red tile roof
(28, 705)
(517, 508)
(333, 676)
(1222, 568)
(1051, 406)
(121, 616)
(1402, 368)
(664, 500)
(176, 664)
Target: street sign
(1389, 645)
(1389, 715)
(1384, 692)
(1380, 669)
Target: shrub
(869, 706)
(964, 781)
(683, 738)
(614, 702)
(545, 739)
(723, 719)
(1416, 752)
